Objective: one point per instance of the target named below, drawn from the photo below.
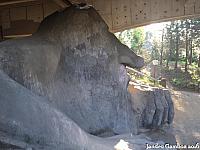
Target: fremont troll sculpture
(72, 67)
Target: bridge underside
(22, 17)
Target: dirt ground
(187, 117)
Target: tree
(194, 37)
(186, 45)
(155, 50)
(137, 40)
(161, 51)
(169, 39)
(133, 38)
(199, 61)
(177, 40)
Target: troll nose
(139, 62)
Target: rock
(153, 106)
(26, 117)
(68, 81)
(28, 122)
(163, 82)
(78, 66)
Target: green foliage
(195, 57)
(143, 79)
(138, 39)
(133, 38)
(178, 49)
(188, 32)
(178, 78)
(147, 81)
(194, 71)
(184, 80)
(179, 82)
(155, 54)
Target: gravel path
(187, 117)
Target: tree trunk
(177, 51)
(170, 51)
(191, 52)
(161, 52)
(186, 51)
(199, 61)
(167, 64)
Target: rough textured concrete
(28, 122)
(26, 117)
(153, 106)
(76, 63)
(72, 67)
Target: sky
(156, 29)
(156, 26)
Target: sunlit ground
(122, 145)
(187, 120)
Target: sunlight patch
(122, 145)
